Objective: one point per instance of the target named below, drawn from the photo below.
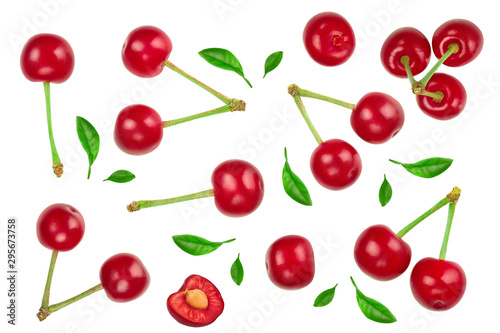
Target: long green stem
(453, 196)
(310, 94)
(217, 94)
(422, 217)
(451, 213)
(405, 60)
(137, 205)
(452, 48)
(438, 95)
(56, 161)
(293, 90)
(46, 293)
(226, 108)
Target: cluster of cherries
(407, 52)
(376, 118)
(238, 186)
(60, 228)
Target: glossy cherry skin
(187, 315)
(290, 262)
(437, 284)
(462, 32)
(238, 188)
(377, 117)
(454, 100)
(47, 58)
(381, 254)
(124, 277)
(405, 42)
(335, 164)
(329, 39)
(144, 51)
(60, 227)
(138, 129)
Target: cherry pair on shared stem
(238, 190)
(406, 52)
(139, 128)
(60, 228)
(48, 58)
(436, 284)
(376, 118)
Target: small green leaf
(272, 62)
(120, 176)
(197, 246)
(293, 186)
(372, 309)
(427, 168)
(223, 59)
(385, 192)
(237, 271)
(325, 297)
(89, 139)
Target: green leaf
(89, 139)
(372, 309)
(223, 59)
(427, 168)
(293, 186)
(325, 297)
(120, 176)
(237, 271)
(197, 246)
(272, 62)
(385, 192)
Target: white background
(100, 87)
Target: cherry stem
(217, 94)
(57, 166)
(405, 60)
(437, 96)
(310, 94)
(293, 90)
(235, 105)
(137, 205)
(46, 293)
(451, 197)
(452, 49)
(45, 312)
(451, 213)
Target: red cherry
(335, 164)
(329, 39)
(47, 58)
(138, 129)
(381, 254)
(124, 277)
(465, 34)
(144, 51)
(437, 284)
(290, 262)
(238, 188)
(60, 227)
(405, 42)
(377, 117)
(453, 102)
(197, 303)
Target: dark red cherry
(144, 51)
(138, 129)
(335, 164)
(238, 188)
(454, 97)
(405, 42)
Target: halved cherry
(197, 303)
